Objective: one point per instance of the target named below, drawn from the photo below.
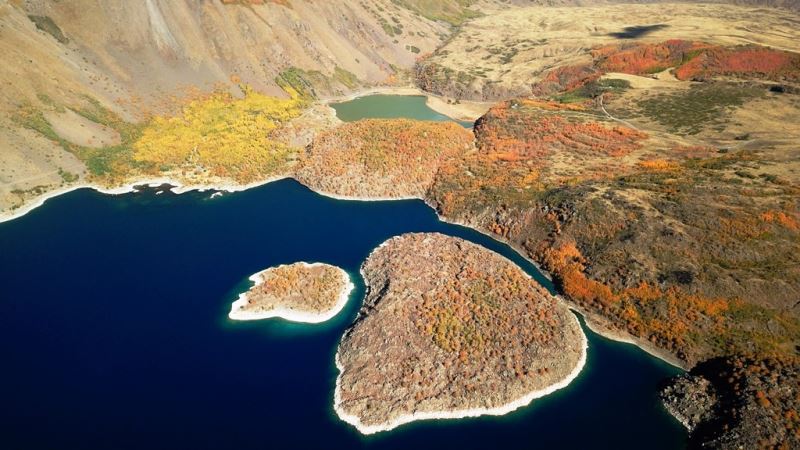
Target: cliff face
(738, 402)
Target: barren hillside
(134, 58)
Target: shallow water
(114, 333)
(391, 107)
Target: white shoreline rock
(288, 313)
(509, 407)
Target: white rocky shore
(292, 302)
(501, 410)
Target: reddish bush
(640, 58)
(566, 78)
(747, 61)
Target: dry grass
(504, 53)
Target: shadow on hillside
(637, 31)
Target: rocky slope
(130, 59)
(450, 329)
(666, 210)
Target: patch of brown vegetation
(381, 158)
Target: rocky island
(449, 329)
(300, 292)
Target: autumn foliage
(746, 62)
(642, 58)
(787, 219)
(299, 286)
(505, 134)
(447, 325)
(519, 184)
(698, 60)
(756, 400)
(381, 158)
(525, 146)
(680, 314)
(691, 60)
(565, 78)
(227, 136)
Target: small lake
(114, 333)
(381, 106)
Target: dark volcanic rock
(738, 403)
(691, 399)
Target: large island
(449, 329)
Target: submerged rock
(449, 329)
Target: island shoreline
(287, 313)
(501, 410)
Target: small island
(299, 292)
(450, 329)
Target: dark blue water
(114, 333)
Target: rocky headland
(738, 402)
(380, 159)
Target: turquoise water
(114, 333)
(390, 107)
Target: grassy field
(507, 52)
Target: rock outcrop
(738, 402)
